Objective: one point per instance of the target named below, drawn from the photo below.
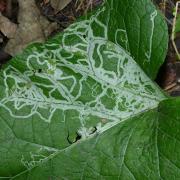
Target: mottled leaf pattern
(80, 107)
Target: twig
(173, 30)
(169, 87)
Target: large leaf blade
(72, 86)
(43, 120)
(134, 149)
(139, 28)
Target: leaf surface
(142, 147)
(139, 28)
(80, 107)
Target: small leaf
(177, 26)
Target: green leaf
(139, 28)
(145, 146)
(177, 25)
(80, 107)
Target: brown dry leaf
(33, 27)
(2, 5)
(7, 27)
(85, 4)
(59, 4)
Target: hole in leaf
(94, 130)
(78, 137)
(39, 70)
